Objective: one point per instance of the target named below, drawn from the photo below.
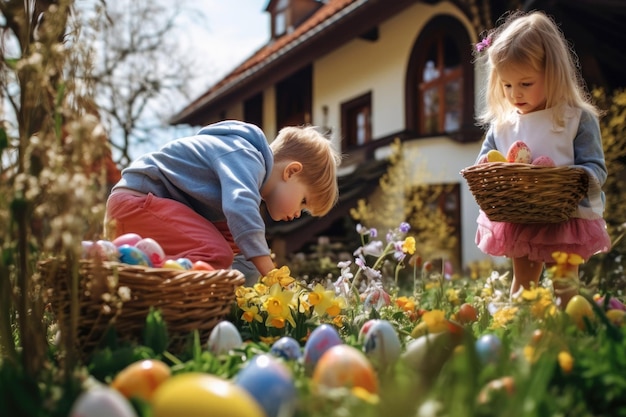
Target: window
(440, 81)
(280, 18)
(356, 121)
(294, 99)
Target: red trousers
(181, 232)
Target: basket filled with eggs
(518, 188)
(118, 282)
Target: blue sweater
(219, 173)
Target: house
(370, 71)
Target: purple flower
(484, 44)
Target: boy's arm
(263, 263)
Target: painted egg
(495, 156)
(271, 384)
(505, 384)
(345, 366)
(102, 401)
(544, 161)
(202, 266)
(194, 394)
(185, 263)
(129, 239)
(172, 264)
(616, 316)
(488, 348)
(320, 340)
(287, 348)
(519, 152)
(140, 379)
(382, 344)
(366, 328)
(109, 249)
(132, 256)
(427, 354)
(153, 251)
(579, 310)
(223, 338)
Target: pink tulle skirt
(539, 241)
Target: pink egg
(153, 251)
(544, 161)
(129, 239)
(519, 152)
(345, 366)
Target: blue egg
(287, 348)
(320, 340)
(271, 384)
(185, 263)
(132, 256)
(488, 348)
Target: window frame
(349, 124)
(432, 33)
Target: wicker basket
(188, 300)
(524, 193)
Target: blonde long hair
(532, 39)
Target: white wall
(380, 67)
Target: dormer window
(286, 15)
(280, 18)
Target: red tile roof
(326, 11)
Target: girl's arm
(488, 144)
(588, 151)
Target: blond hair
(319, 160)
(533, 39)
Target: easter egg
(616, 316)
(132, 256)
(579, 310)
(544, 161)
(320, 340)
(345, 366)
(270, 383)
(223, 338)
(185, 263)
(427, 354)
(366, 328)
(467, 313)
(129, 239)
(519, 152)
(108, 249)
(102, 401)
(172, 264)
(194, 394)
(488, 348)
(495, 156)
(152, 249)
(202, 266)
(494, 387)
(382, 344)
(287, 348)
(140, 379)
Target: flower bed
(372, 342)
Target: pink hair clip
(484, 44)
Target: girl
(536, 95)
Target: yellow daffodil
(435, 321)
(321, 299)
(278, 305)
(566, 361)
(280, 276)
(336, 306)
(503, 316)
(261, 289)
(251, 313)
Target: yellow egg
(495, 156)
(578, 308)
(616, 316)
(172, 264)
(195, 394)
(140, 379)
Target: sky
(233, 31)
